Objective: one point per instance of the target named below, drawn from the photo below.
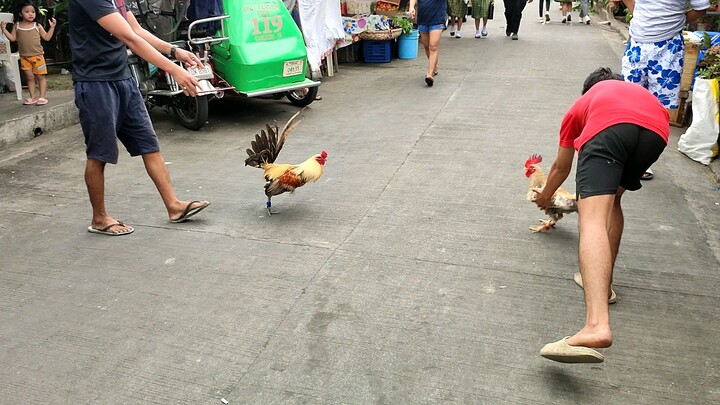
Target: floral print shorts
(656, 66)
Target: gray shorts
(110, 111)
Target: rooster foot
(270, 211)
(547, 224)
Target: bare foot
(111, 225)
(596, 338)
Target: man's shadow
(570, 386)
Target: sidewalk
(20, 123)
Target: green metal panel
(264, 40)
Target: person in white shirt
(655, 52)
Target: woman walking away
(431, 21)
(480, 11)
(28, 33)
(566, 7)
(456, 9)
(544, 18)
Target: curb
(29, 126)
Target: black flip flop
(189, 212)
(429, 81)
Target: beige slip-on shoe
(562, 352)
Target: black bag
(491, 10)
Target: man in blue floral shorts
(654, 55)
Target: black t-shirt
(97, 56)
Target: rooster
(562, 201)
(282, 178)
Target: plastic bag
(699, 143)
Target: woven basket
(385, 35)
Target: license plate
(204, 73)
(293, 68)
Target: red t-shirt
(611, 102)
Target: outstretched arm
(182, 55)
(47, 35)
(116, 25)
(558, 173)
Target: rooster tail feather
(266, 146)
(533, 160)
(289, 127)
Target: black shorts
(110, 111)
(616, 157)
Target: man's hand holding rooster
(543, 200)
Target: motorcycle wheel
(192, 112)
(302, 97)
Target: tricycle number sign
(266, 19)
(269, 25)
(293, 67)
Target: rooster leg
(268, 204)
(547, 224)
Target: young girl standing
(27, 33)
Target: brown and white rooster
(282, 178)
(562, 201)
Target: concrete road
(407, 274)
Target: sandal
(41, 101)
(648, 175)
(29, 101)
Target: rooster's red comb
(533, 160)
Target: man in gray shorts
(619, 129)
(111, 106)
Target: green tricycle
(254, 49)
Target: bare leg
(31, 83)
(156, 168)
(425, 41)
(42, 84)
(95, 181)
(617, 223)
(432, 51)
(596, 258)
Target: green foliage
(10, 6)
(709, 66)
(706, 41)
(403, 23)
(628, 16)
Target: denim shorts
(427, 28)
(110, 111)
(616, 157)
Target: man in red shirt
(619, 129)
